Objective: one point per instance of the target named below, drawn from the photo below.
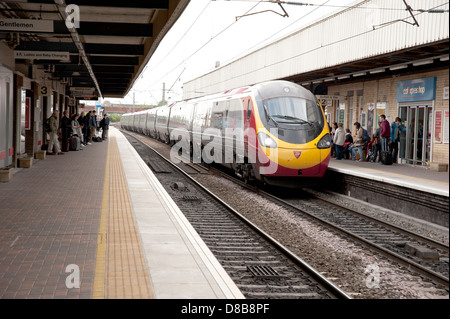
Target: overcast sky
(211, 31)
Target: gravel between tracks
(337, 258)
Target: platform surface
(413, 177)
(97, 224)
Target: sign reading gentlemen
(26, 25)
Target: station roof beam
(114, 41)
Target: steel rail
(327, 284)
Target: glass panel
(402, 147)
(429, 132)
(420, 132)
(410, 140)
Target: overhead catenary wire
(318, 6)
(329, 44)
(201, 47)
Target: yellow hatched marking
(98, 291)
(126, 271)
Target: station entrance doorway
(415, 143)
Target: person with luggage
(53, 133)
(93, 125)
(66, 130)
(385, 133)
(77, 135)
(377, 144)
(396, 128)
(82, 122)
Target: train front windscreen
(298, 120)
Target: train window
(249, 109)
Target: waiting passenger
(82, 121)
(348, 141)
(377, 144)
(358, 143)
(93, 125)
(104, 124)
(396, 127)
(339, 140)
(66, 130)
(53, 133)
(333, 132)
(76, 128)
(385, 133)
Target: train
(271, 133)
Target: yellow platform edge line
(98, 289)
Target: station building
(375, 57)
(54, 54)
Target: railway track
(405, 248)
(417, 253)
(260, 266)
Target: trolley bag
(386, 156)
(75, 143)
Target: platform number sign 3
(44, 90)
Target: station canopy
(102, 56)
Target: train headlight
(325, 142)
(266, 141)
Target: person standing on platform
(333, 132)
(88, 128)
(396, 127)
(385, 133)
(339, 139)
(76, 127)
(53, 133)
(93, 125)
(377, 144)
(104, 124)
(66, 128)
(82, 121)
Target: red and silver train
(273, 132)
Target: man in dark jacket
(104, 124)
(87, 122)
(66, 127)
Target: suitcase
(75, 143)
(386, 156)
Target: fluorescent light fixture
(317, 82)
(444, 58)
(377, 71)
(343, 77)
(398, 67)
(424, 62)
(329, 79)
(359, 74)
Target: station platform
(413, 177)
(98, 224)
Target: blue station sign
(416, 90)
